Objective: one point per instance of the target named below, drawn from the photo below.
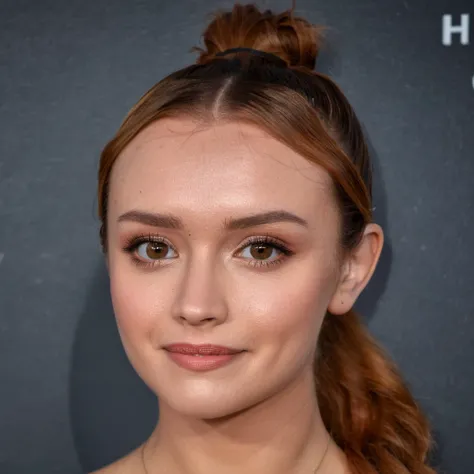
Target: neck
(282, 435)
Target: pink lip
(202, 349)
(201, 358)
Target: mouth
(201, 350)
(202, 358)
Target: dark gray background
(69, 72)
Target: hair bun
(293, 39)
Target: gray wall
(70, 70)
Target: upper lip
(202, 349)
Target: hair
(364, 402)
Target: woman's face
(208, 283)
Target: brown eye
(264, 252)
(153, 250)
(261, 251)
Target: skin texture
(259, 414)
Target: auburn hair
(364, 402)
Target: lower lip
(201, 363)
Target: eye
(148, 250)
(261, 250)
(153, 250)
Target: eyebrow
(174, 222)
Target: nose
(200, 298)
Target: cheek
(288, 311)
(136, 302)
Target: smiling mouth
(202, 349)
(202, 362)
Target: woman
(235, 202)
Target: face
(263, 288)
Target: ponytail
(365, 404)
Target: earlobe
(357, 270)
(344, 297)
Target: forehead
(175, 165)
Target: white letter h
(449, 29)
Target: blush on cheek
(302, 310)
(141, 305)
(130, 303)
(289, 309)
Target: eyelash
(133, 243)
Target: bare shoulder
(125, 465)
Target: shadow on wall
(112, 411)
(366, 304)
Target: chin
(207, 411)
(203, 405)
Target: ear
(357, 270)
